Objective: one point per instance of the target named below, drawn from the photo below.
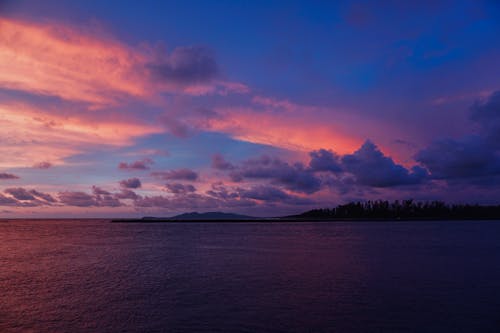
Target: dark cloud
(99, 198)
(465, 158)
(486, 114)
(324, 160)
(178, 188)
(180, 174)
(152, 201)
(42, 165)
(26, 198)
(294, 177)
(189, 201)
(7, 201)
(20, 193)
(4, 175)
(184, 66)
(371, 167)
(131, 183)
(126, 194)
(219, 163)
(108, 201)
(474, 158)
(99, 191)
(264, 193)
(43, 196)
(144, 164)
(105, 198)
(272, 194)
(79, 199)
(222, 192)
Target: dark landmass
(195, 217)
(211, 216)
(402, 210)
(355, 211)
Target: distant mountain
(211, 216)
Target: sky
(267, 108)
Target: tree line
(404, 209)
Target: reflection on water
(95, 276)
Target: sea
(97, 276)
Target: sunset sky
(132, 108)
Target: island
(380, 210)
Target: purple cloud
(4, 175)
(44, 196)
(219, 163)
(470, 157)
(126, 194)
(100, 198)
(7, 201)
(294, 177)
(486, 113)
(79, 199)
(99, 191)
(178, 188)
(180, 174)
(272, 194)
(20, 193)
(184, 66)
(325, 160)
(42, 165)
(371, 167)
(131, 183)
(144, 164)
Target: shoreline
(277, 220)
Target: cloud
(372, 168)
(467, 157)
(29, 198)
(222, 192)
(99, 191)
(8, 201)
(20, 193)
(177, 188)
(486, 113)
(42, 165)
(99, 198)
(264, 193)
(39, 133)
(294, 177)
(108, 201)
(180, 174)
(131, 183)
(184, 66)
(219, 163)
(191, 201)
(70, 63)
(324, 160)
(79, 199)
(143, 164)
(4, 175)
(44, 196)
(153, 201)
(297, 130)
(126, 194)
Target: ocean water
(96, 276)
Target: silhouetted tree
(406, 209)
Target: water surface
(96, 276)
